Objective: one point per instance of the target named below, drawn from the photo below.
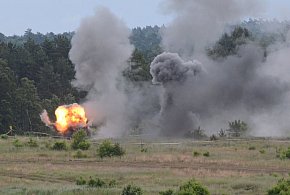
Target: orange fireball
(70, 116)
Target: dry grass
(231, 167)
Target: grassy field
(232, 167)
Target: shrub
(252, 148)
(81, 181)
(60, 145)
(32, 143)
(117, 150)
(192, 188)
(195, 153)
(196, 134)
(282, 153)
(84, 145)
(237, 128)
(206, 154)
(132, 190)
(167, 192)
(262, 151)
(79, 154)
(107, 149)
(112, 183)
(17, 143)
(213, 137)
(4, 136)
(97, 183)
(222, 133)
(79, 140)
(287, 153)
(282, 187)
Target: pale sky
(65, 15)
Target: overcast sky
(65, 15)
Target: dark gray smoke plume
(169, 67)
(201, 22)
(100, 50)
(187, 93)
(246, 86)
(171, 71)
(235, 88)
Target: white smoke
(45, 118)
(208, 93)
(100, 50)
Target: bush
(252, 148)
(262, 151)
(282, 188)
(112, 183)
(237, 128)
(81, 181)
(84, 145)
(222, 133)
(79, 140)
(4, 136)
(60, 145)
(195, 153)
(192, 188)
(213, 137)
(206, 154)
(32, 143)
(287, 153)
(97, 183)
(282, 153)
(197, 134)
(117, 150)
(132, 190)
(107, 149)
(17, 143)
(167, 192)
(79, 154)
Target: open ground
(242, 166)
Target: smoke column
(171, 71)
(100, 50)
(246, 86)
(201, 22)
(207, 93)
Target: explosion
(68, 117)
(73, 116)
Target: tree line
(36, 73)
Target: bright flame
(70, 116)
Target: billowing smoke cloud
(169, 67)
(100, 50)
(201, 22)
(235, 88)
(246, 86)
(171, 71)
(187, 93)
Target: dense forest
(36, 73)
